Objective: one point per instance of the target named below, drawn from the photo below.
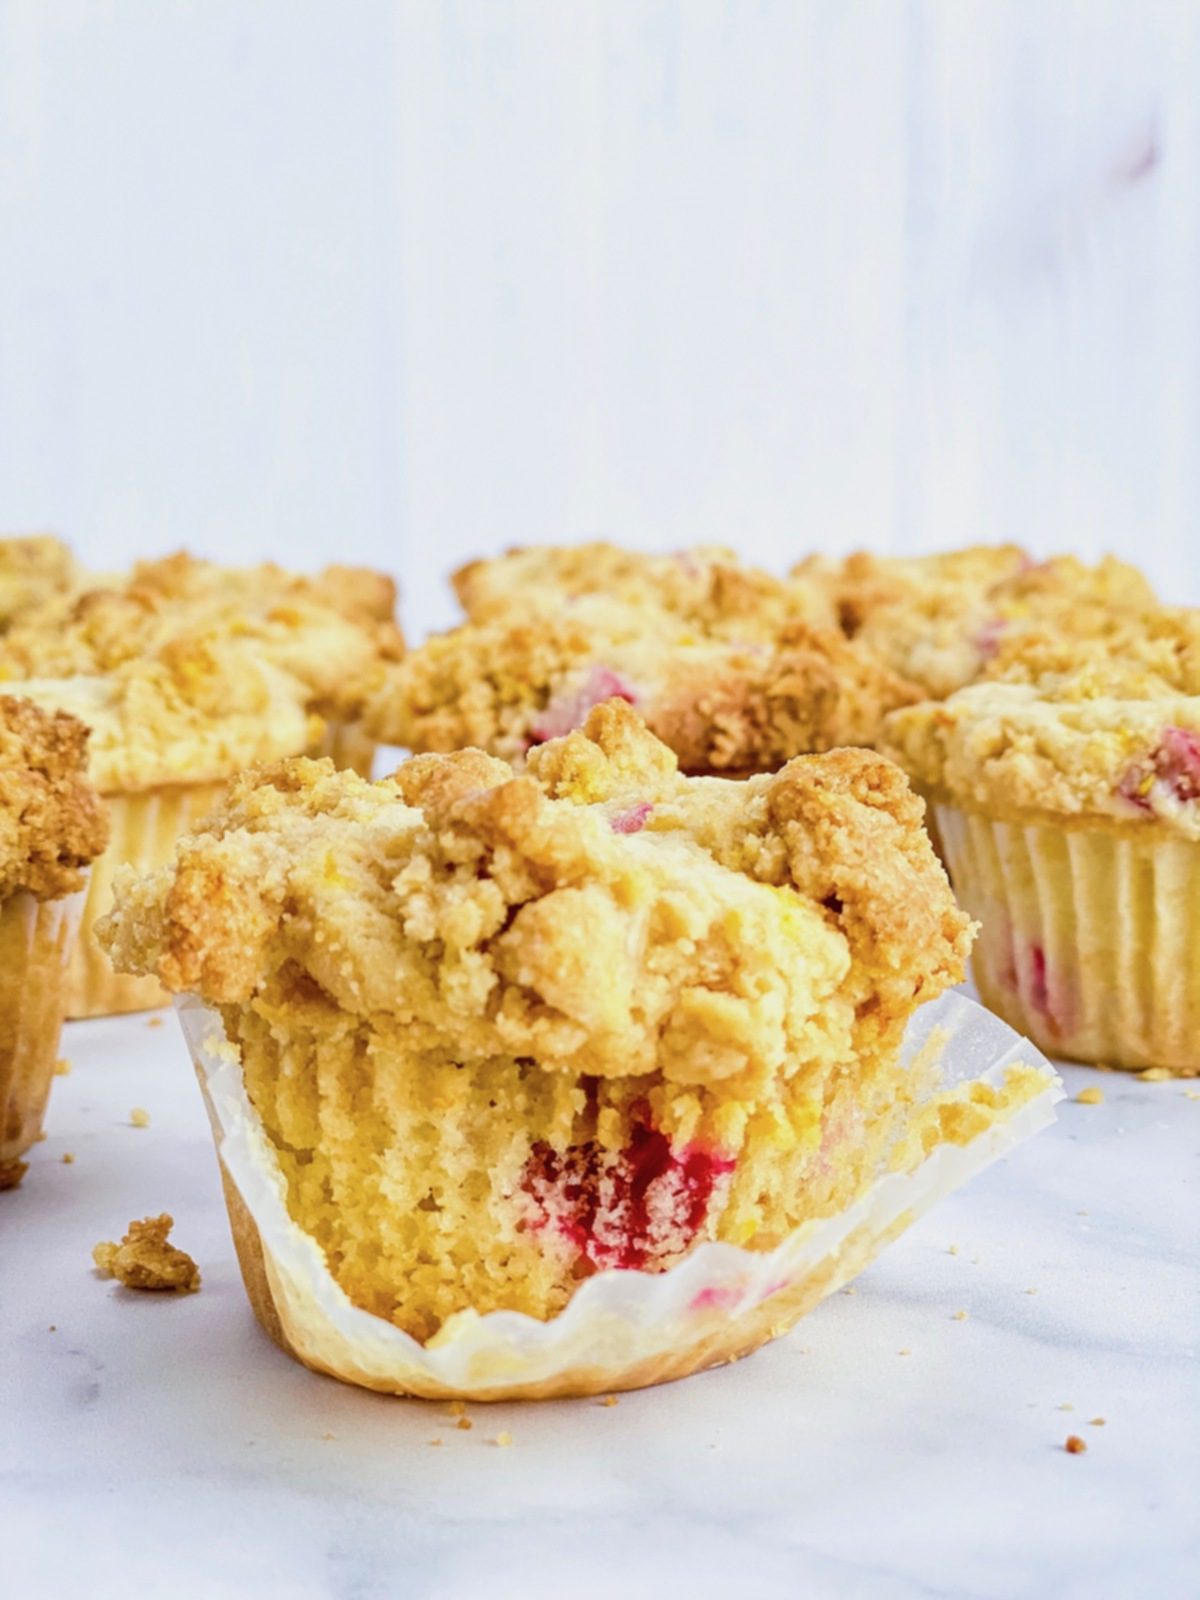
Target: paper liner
(35, 944)
(621, 1329)
(1088, 940)
(144, 828)
(348, 747)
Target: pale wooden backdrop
(405, 281)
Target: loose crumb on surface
(435, 1441)
(54, 1327)
(154, 1022)
(1074, 1446)
(62, 1067)
(464, 1423)
(1093, 1095)
(1066, 1405)
(961, 1316)
(951, 1249)
(850, 1290)
(1097, 1422)
(904, 1352)
(328, 1436)
(139, 1117)
(68, 1158)
(145, 1260)
(1191, 1094)
(609, 1400)
(1031, 1291)
(1155, 1075)
(458, 1408)
(504, 1440)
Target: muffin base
(144, 829)
(1088, 935)
(35, 944)
(621, 1329)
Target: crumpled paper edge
(617, 1321)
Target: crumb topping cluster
(598, 914)
(188, 670)
(33, 569)
(52, 822)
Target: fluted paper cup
(1088, 935)
(621, 1329)
(347, 746)
(36, 937)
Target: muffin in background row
(186, 672)
(52, 825)
(1066, 789)
(506, 1032)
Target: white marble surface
(885, 1450)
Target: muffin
(51, 825)
(485, 1038)
(510, 683)
(707, 588)
(939, 620)
(33, 569)
(186, 672)
(1066, 787)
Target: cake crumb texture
(145, 1259)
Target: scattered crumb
(154, 1022)
(62, 1067)
(139, 1117)
(1155, 1075)
(1097, 1422)
(850, 1290)
(951, 1249)
(904, 1352)
(1031, 1291)
(1093, 1095)
(68, 1158)
(961, 1316)
(610, 1400)
(327, 1436)
(435, 1441)
(1083, 1213)
(464, 1423)
(504, 1440)
(11, 1173)
(1074, 1445)
(1191, 1094)
(144, 1259)
(54, 1327)
(458, 1408)
(1066, 1406)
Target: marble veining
(888, 1449)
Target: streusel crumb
(145, 1260)
(52, 822)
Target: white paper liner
(621, 1328)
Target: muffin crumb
(435, 1441)
(904, 1352)
(951, 1249)
(62, 1067)
(154, 1022)
(1091, 1096)
(68, 1158)
(1066, 1405)
(139, 1117)
(503, 1440)
(1097, 1422)
(464, 1423)
(145, 1260)
(610, 1400)
(1156, 1075)
(961, 1316)
(1074, 1446)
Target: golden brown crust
(52, 821)
(33, 569)
(563, 915)
(505, 685)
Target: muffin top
(33, 568)
(598, 914)
(939, 620)
(1106, 728)
(508, 684)
(187, 671)
(52, 822)
(707, 588)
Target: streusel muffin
(51, 826)
(939, 620)
(504, 1033)
(1067, 790)
(508, 684)
(186, 672)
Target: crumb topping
(145, 1259)
(52, 822)
(506, 685)
(33, 569)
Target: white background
(400, 282)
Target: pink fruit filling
(634, 1208)
(1175, 765)
(987, 640)
(633, 820)
(568, 711)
